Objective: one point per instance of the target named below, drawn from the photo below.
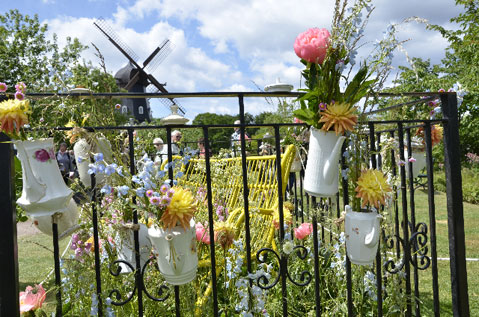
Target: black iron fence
(407, 247)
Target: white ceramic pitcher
(176, 253)
(322, 168)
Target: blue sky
(222, 45)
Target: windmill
(136, 78)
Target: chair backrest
(262, 179)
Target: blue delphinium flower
(98, 157)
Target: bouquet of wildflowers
(326, 56)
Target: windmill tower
(135, 78)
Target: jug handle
(372, 238)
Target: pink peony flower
(412, 160)
(303, 231)
(202, 234)
(32, 298)
(42, 155)
(312, 45)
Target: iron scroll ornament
(115, 293)
(302, 253)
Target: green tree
(27, 55)
(219, 137)
(460, 65)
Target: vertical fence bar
(245, 184)
(170, 176)
(56, 259)
(349, 284)
(455, 211)
(379, 279)
(283, 266)
(317, 291)
(136, 242)
(9, 303)
(405, 221)
(432, 217)
(211, 220)
(301, 177)
(96, 243)
(412, 206)
(396, 205)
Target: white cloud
(226, 45)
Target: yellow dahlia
(14, 114)
(287, 217)
(224, 234)
(372, 188)
(180, 210)
(340, 116)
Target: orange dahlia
(372, 188)
(340, 116)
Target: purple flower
(165, 201)
(170, 193)
(164, 188)
(322, 106)
(20, 87)
(3, 87)
(19, 95)
(155, 200)
(42, 155)
(401, 163)
(149, 193)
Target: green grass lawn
(36, 258)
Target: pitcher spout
(330, 170)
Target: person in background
(175, 149)
(159, 145)
(236, 138)
(65, 162)
(201, 148)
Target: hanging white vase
(65, 220)
(44, 191)
(296, 164)
(83, 149)
(362, 231)
(322, 168)
(82, 157)
(126, 247)
(176, 253)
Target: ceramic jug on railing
(322, 168)
(82, 150)
(362, 236)
(176, 253)
(44, 191)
